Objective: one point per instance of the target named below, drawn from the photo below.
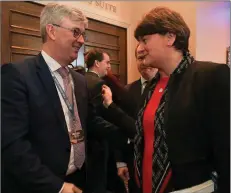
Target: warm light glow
(213, 31)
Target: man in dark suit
(98, 64)
(45, 113)
(135, 90)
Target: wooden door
(113, 40)
(20, 31)
(20, 36)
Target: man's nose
(81, 39)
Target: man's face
(104, 65)
(65, 43)
(145, 71)
(153, 48)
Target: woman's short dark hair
(92, 55)
(162, 20)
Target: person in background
(125, 158)
(134, 91)
(183, 125)
(98, 64)
(80, 69)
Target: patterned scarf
(160, 163)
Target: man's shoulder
(22, 67)
(78, 78)
(91, 78)
(77, 75)
(92, 74)
(133, 85)
(136, 82)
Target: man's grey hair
(53, 13)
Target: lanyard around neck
(69, 105)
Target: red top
(148, 125)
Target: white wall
(213, 31)
(209, 23)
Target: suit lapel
(49, 85)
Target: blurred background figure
(80, 69)
(135, 92)
(98, 64)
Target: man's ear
(96, 63)
(51, 32)
(170, 39)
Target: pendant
(73, 141)
(73, 137)
(76, 136)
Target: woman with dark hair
(183, 125)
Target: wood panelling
(114, 54)
(25, 41)
(18, 20)
(106, 28)
(100, 45)
(102, 38)
(20, 36)
(113, 40)
(115, 69)
(19, 57)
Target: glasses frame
(76, 31)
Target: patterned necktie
(74, 121)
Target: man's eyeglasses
(76, 31)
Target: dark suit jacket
(197, 124)
(113, 115)
(35, 141)
(126, 154)
(134, 92)
(98, 145)
(134, 96)
(94, 84)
